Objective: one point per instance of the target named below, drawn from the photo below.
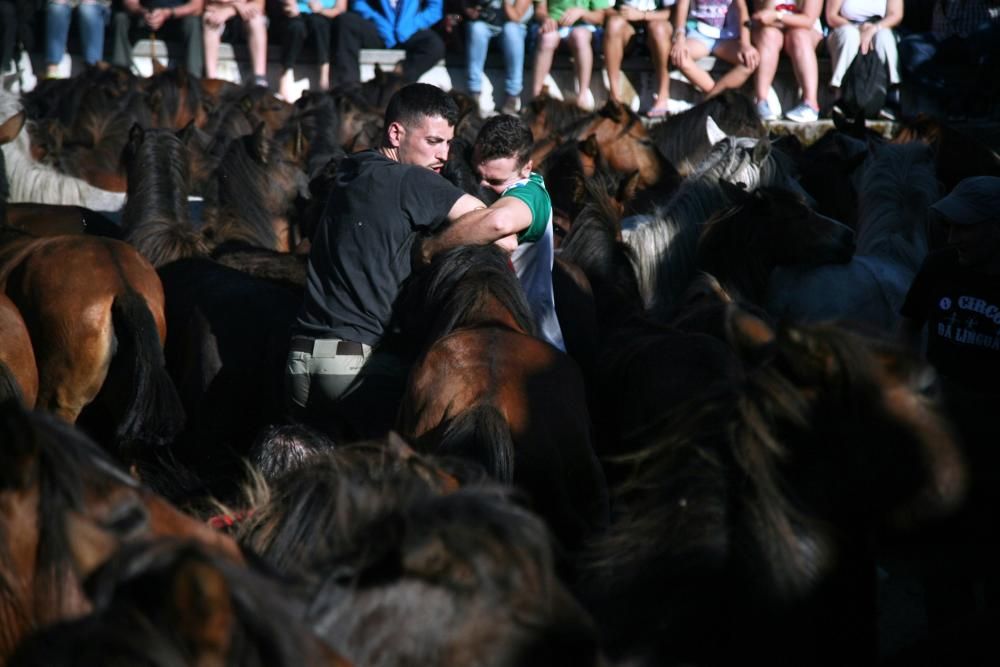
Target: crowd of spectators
(941, 37)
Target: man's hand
(631, 14)
(549, 25)
(216, 15)
(507, 243)
(679, 51)
(765, 17)
(156, 18)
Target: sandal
(657, 113)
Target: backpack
(865, 86)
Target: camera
(489, 13)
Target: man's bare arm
(479, 226)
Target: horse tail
(481, 434)
(152, 413)
(10, 390)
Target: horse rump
(138, 406)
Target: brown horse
(64, 509)
(18, 373)
(487, 389)
(94, 309)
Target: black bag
(865, 86)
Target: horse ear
(12, 127)
(761, 151)
(628, 187)
(203, 610)
(714, 132)
(748, 334)
(258, 144)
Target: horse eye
(127, 520)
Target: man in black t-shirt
(383, 200)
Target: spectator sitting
(575, 21)
(795, 27)
(219, 20)
(633, 21)
(175, 19)
(859, 26)
(304, 17)
(91, 17)
(716, 27)
(405, 24)
(16, 17)
(488, 19)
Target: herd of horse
(712, 472)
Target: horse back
(17, 355)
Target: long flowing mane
(665, 243)
(897, 189)
(463, 287)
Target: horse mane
(457, 290)
(593, 244)
(155, 217)
(238, 208)
(64, 463)
(897, 189)
(682, 138)
(559, 115)
(34, 181)
(665, 243)
(170, 92)
(319, 120)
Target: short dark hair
(280, 449)
(412, 103)
(504, 136)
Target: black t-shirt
(962, 310)
(361, 250)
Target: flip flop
(657, 113)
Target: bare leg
(257, 41)
(701, 79)
(768, 41)
(324, 76)
(729, 51)
(800, 44)
(212, 37)
(617, 33)
(659, 34)
(548, 42)
(583, 59)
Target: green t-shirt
(558, 7)
(533, 193)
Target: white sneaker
(585, 100)
(803, 113)
(765, 112)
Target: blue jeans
(91, 19)
(477, 43)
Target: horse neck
(490, 312)
(893, 220)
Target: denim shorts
(711, 42)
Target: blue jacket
(395, 26)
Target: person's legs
(423, 51)
(768, 41)
(319, 25)
(294, 30)
(580, 40)
(256, 34)
(189, 28)
(477, 41)
(697, 48)
(800, 44)
(513, 38)
(658, 36)
(843, 44)
(212, 37)
(351, 33)
(370, 405)
(916, 50)
(885, 47)
(548, 42)
(729, 50)
(617, 33)
(57, 20)
(316, 377)
(91, 19)
(121, 42)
